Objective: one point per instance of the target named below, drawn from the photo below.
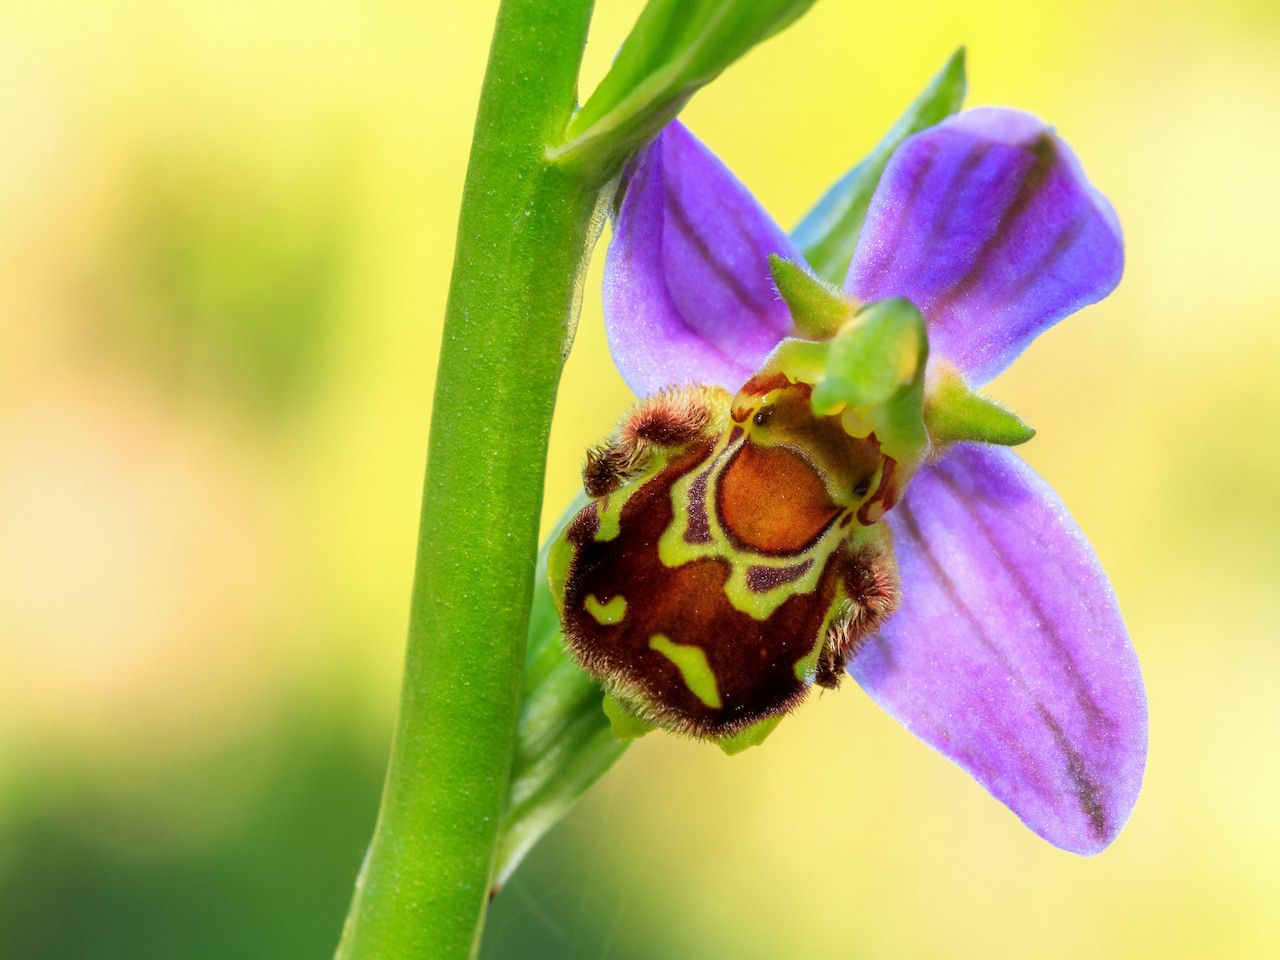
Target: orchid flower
(1006, 651)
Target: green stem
(525, 231)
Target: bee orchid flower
(946, 576)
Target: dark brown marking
(832, 659)
(583, 527)
(871, 583)
(764, 579)
(770, 499)
(699, 529)
(606, 469)
(753, 660)
(669, 419)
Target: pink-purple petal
(688, 297)
(1008, 654)
(987, 223)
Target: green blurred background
(225, 237)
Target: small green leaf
(828, 235)
(675, 47)
(817, 308)
(953, 412)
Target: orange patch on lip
(770, 499)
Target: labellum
(728, 560)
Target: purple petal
(688, 297)
(1008, 654)
(987, 224)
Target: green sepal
(752, 736)
(675, 48)
(624, 724)
(828, 235)
(953, 412)
(818, 309)
(870, 374)
(563, 739)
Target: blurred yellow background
(225, 236)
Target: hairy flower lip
(1008, 654)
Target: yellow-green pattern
(726, 573)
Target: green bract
(818, 309)
(868, 368)
(953, 412)
(828, 235)
(871, 374)
(675, 48)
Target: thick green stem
(524, 235)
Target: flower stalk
(524, 235)
(466, 795)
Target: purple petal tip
(1009, 654)
(988, 224)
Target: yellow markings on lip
(609, 507)
(559, 564)
(606, 614)
(806, 667)
(609, 515)
(692, 663)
